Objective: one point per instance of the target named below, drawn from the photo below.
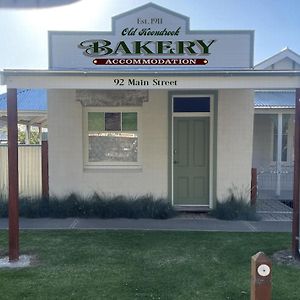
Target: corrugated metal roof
(36, 99)
(275, 99)
(28, 100)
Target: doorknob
(175, 162)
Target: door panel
(182, 150)
(183, 187)
(191, 161)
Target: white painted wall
(235, 137)
(66, 168)
(66, 171)
(262, 141)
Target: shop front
(151, 108)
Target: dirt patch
(285, 257)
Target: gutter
(131, 72)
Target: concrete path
(180, 223)
(273, 210)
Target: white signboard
(151, 37)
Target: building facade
(151, 108)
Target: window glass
(285, 128)
(191, 104)
(113, 147)
(284, 135)
(95, 121)
(129, 121)
(112, 121)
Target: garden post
(45, 173)
(253, 186)
(13, 177)
(261, 277)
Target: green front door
(191, 161)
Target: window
(191, 104)
(284, 134)
(112, 137)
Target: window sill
(113, 167)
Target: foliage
(34, 137)
(234, 208)
(95, 206)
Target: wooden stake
(253, 186)
(13, 177)
(261, 277)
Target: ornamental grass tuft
(94, 206)
(234, 208)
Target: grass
(143, 265)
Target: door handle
(175, 162)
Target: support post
(27, 134)
(13, 177)
(45, 172)
(253, 186)
(261, 277)
(279, 155)
(296, 190)
(40, 135)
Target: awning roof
(28, 100)
(275, 99)
(186, 79)
(32, 107)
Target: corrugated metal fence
(30, 175)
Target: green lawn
(143, 265)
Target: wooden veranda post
(296, 190)
(253, 186)
(13, 178)
(45, 173)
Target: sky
(24, 31)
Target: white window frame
(288, 160)
(111, 164)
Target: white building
(273, 145)
(151, 107)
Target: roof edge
(23, 72)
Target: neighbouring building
(32, 112)
(273, 144)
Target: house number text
(143, 82)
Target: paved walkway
(197, 223)
(273, 210)
(275, 217)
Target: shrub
(234, 208)
(3, 207)
(33, 208)
(95, 206)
